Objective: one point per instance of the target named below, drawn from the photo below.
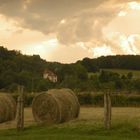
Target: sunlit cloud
(49, 28)
(102, 51)
(8, 25)
(42, 48)
(82, 45)
(126, 9)
(135, 42)
(134, 5)
(124, 44)
(122, 13)
(52, 42)
(63, 21)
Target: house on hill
(50, 76)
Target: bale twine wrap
(55, 106)
(7, 107)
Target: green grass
(89, 126)
(120, 131)
(136, 73)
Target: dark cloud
(84, 19)
(44, 15)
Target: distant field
(136, 73)
(89, 126)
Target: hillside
(131, 62)
(18, 69)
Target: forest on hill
(18, 69)
(131, 62)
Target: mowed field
(89, 126)
(136, 73)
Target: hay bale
(55, 106)
(7, 107)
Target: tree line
(18, 69)
(112, 62)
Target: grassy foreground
(89, 126)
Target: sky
(69, 30)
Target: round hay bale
(55, 106)
(7, 107)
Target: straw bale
(55, 106)
(7, 107)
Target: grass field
(89, 126)
(136, 73)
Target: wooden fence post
(20, 109)
(107, 110)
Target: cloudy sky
(69, 30)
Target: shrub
(97, 99)
(27, 100)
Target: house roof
(49, 73)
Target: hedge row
(118, 100)
(97, 99)
(27, 100)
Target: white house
(50, 76)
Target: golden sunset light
(102, 51)
(42, 48)
(42, 27)
(69, 69)
(134, 5)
